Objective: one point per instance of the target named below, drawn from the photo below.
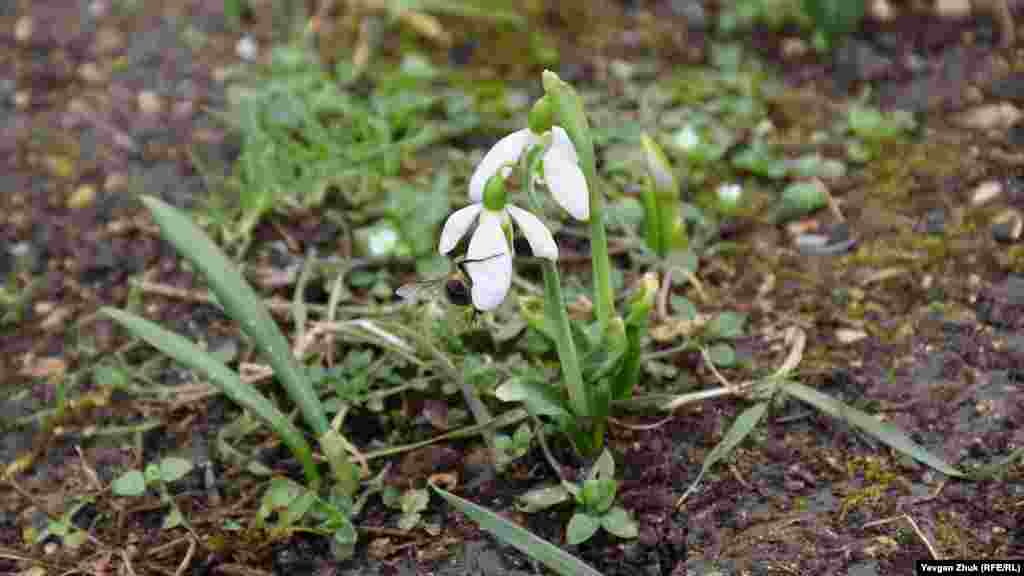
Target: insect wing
(420, 291)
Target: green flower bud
(542, 115)
(494, 192)
(642, 301)
(665, 185)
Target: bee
(456, 287)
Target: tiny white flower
(560, 167)
(489, 256)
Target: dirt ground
(99, 102)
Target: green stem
(603, 298)
(554, 307)
(571, 117)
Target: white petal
(489, 262)
(489, 239)
(542, 243)
(560, 139)
(567, 183)
(456, 226)
(505, 150)
(492, 278)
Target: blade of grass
(241, 303)
(741, 427)
(229, 383)
(888, 433)
(523, 540)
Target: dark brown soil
(100, 106)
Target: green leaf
(581, 528)
(683, 307)
(539, 397)
(131, 483)
(173, 519)
(245, 395)
(409, 520)
(887, 433)
(172, 469)
(415, 500)
(542, 498)
(727, 325)
(598, 495)
(604, 467)
(619, 522)
(521, 539)
(242, 303)
(835, 18)
(739, 430)
(722, 354)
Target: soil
(106, 99)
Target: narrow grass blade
(241, 303)
(229, 383)
(889, 434)
(739, 430)
(523, 540)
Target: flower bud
(542, 115)
(665, 184)
(494, 192)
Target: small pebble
(986, 192)
(22, 98)
(23, 29)
(999, 116)
(794, 48)
(90, 72)
(115, 182)
(98, 8)
(83, 197)
(849, 336)
(882, 11)
(953, 9)
(246, 48)
(150, 103)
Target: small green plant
(305, 135)
(156, 475)
(411, 503)
(832, 20)
(873, 128)
(511, 448)
(595, 503)
(64, 528)
(288, 507)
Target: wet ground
(919, 321)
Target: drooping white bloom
(489, 256)
(560, 168)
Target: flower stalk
(554, 304)
(569, 114)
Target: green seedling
(157, 476)
(411, 503)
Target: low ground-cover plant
(156, 475)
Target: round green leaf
(131, 483)
(581, 528)
(172, 469)
(619, 522)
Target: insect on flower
(456, 287)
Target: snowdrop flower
(561, 170)
(489, 256)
